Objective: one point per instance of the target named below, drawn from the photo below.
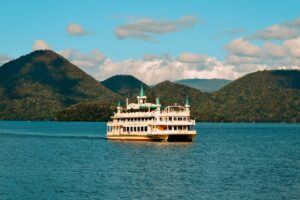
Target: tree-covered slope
(261, 96)
(125, 85)
(45, 86)
(38, 85)
(264, 96)
(87, 111)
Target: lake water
(56, 160)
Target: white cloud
(277, 31)
(272, 50)
(153, 69)
(246, 57)
(74, 29)
(237, 60)
(191, 58)
(242, 47)
(281, 31)
(145, 28)
(293, 46)
(4, 59)
(40, 45)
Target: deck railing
(156, 132)
(152, 122)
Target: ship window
(175, 128)
(134, 129)
(146, 128)
(142, 128)
(170, 118)
(138, 128)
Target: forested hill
(39, 84)
(45, 86)
(261, 96)
(125, 85)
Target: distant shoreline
(223, 122)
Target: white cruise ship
(149, 121)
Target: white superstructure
(148, 121)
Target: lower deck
(163, 137)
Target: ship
(143, 121)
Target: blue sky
(217, 24)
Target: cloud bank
(152, 69)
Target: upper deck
(170, 111)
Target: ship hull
(158, 138)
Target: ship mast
(142, 98)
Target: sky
(156, 40)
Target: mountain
(125, 85)
(39, 84)
(45, 86)
(263, 96)
(205, 85)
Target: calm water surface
(55, 160)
